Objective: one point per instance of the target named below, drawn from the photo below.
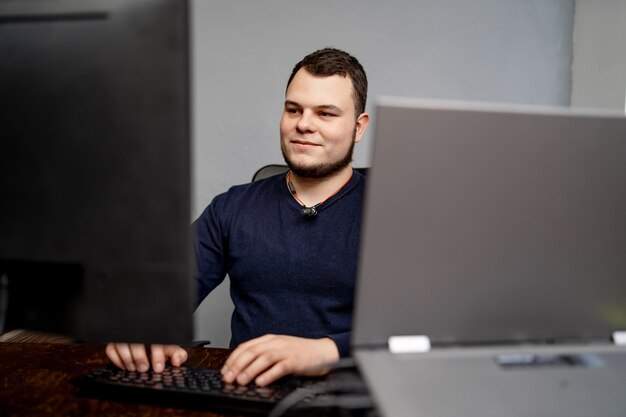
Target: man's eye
(292, 111)
(326, 114)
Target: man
(289, 243)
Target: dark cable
(343, 401)
(302, 394)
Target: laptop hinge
(619, 338)
(409, 344)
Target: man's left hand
(270, 357)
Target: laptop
(492, 275)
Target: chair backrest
(268, 171)
(273, 169)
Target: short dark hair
(331, 61)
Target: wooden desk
(35, 381)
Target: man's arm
(267, 358)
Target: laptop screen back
(489, 224)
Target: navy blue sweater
(289, 274)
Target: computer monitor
(95, 238)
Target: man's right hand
(133, 357)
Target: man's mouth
(303, 142)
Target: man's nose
(306, 122)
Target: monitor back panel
(95, 168)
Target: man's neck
(312, 191)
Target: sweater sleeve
(342, 340)
(210, 252)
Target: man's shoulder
(242, 198)
(249, 192)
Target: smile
(304, 143)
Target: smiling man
(289, 243)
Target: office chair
(273, 169)
(268, 171)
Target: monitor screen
(95, 238)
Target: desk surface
(35, 381)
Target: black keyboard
(189, 387)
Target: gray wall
(490, 50)
(599, 50)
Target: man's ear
(361, 126)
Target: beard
(322, 170)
